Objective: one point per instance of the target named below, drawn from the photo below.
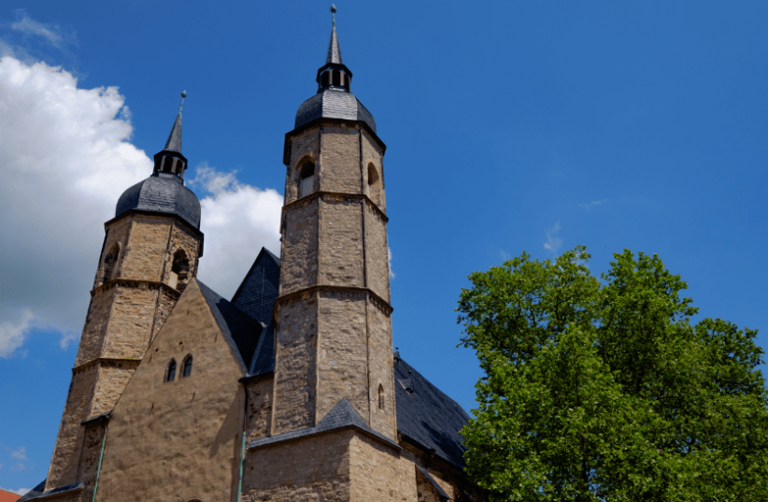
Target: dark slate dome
(163, 193)
(333, 99)
(335, 104)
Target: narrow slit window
(170, 374)
(187, 367)
(381, 397)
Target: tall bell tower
(334, 334)
(150, 252)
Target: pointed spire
(174, 139)
(334, 53)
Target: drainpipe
(101, 457)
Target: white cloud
(12, 333)
(51, 33)
(553, 240)
(20, 453)
(238, 220)
(592, 204)
(389, 262)
(64, 159)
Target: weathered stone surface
(372, 155)
(295, 364)
(342, 354)
(339, 166)
(381, 370)
(341, 242)
(178, 440)
(259, 412)
(303, 147)
(315, 468)
(376, 253)
(298, 265)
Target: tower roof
(334, 53)
(333, 99)
(174, 139)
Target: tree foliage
(603, 390)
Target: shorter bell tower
(151, 251)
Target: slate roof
(243, 332)
(174, 139)
(163, 193)
(342, 415)
(38, 492)
(334, 103)
(427, 416)
(334, 52)
(257, 293)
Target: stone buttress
(150, 253)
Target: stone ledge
(106, 361)
(133, 283)
(336, 196)
(295, 296)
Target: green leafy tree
(604, 390)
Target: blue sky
(511, 126)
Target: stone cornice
(336, 197)
(305, 293)
(105, 361)
(134, 283)
(332, 122)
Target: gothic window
(170, 373)
(186, 367)
(179, 271)
(110, 260)
(381, 397)
(306, 178)
(374, 184)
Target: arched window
(374, 184)
(110, 260)
(179, 271)
(170, 373)
(381, 397)
(306, 178)
(186, 366)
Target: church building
(291, 390)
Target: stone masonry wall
(315, 468)
(178, 440)
(295, 364)
(304, 145)
(376, 253)
(378, 473)
(117, 232)
(341, 245)
(339, 166)
(130, 322)
(427, 492)
(89, 460)
(63, 468)
(382, 370)
(342, 361)
(182, 239)
(112, 378)
(299, 251)
(147, 248)
(373, 155)
(96, 322)
(259, 413)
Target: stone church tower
(150, 253)
(334, 335)
(290, 391)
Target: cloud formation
(51, 33)
(238, 220)
(65, 158)
(592, 204)
(553, 239)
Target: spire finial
(183, 95)
(333, 15)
